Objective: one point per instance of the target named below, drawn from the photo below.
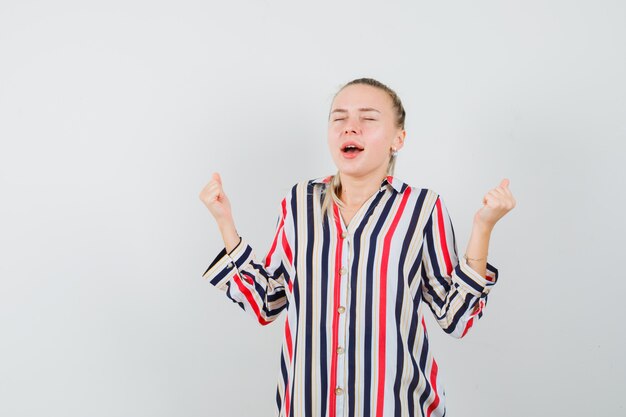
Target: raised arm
(213, 196)
(454, 287)
(496, 203)
(258, 287)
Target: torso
(370, 267)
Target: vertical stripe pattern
(355, 341)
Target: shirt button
(340, 350)
(343, 270)
(344, 235)
(341, 309)
(230, 265)
(338, 391)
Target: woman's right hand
(212, 195)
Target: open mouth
(351, 149)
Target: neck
(356, 190)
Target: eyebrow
(362, 109)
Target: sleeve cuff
(225, 265)
(473, 281)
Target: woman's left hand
(496, 203)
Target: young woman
(354, 258)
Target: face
(362, 131)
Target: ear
(398, 140)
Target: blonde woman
(354, 257)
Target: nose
(351, 127)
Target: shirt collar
(389, 180)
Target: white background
(113, 115)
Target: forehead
(362, 96)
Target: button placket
(342, 312)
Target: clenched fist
(212, 195)
(496, 203)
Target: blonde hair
(333, 188)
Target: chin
(347, 167)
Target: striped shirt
(355, 341)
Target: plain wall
(113, 115)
